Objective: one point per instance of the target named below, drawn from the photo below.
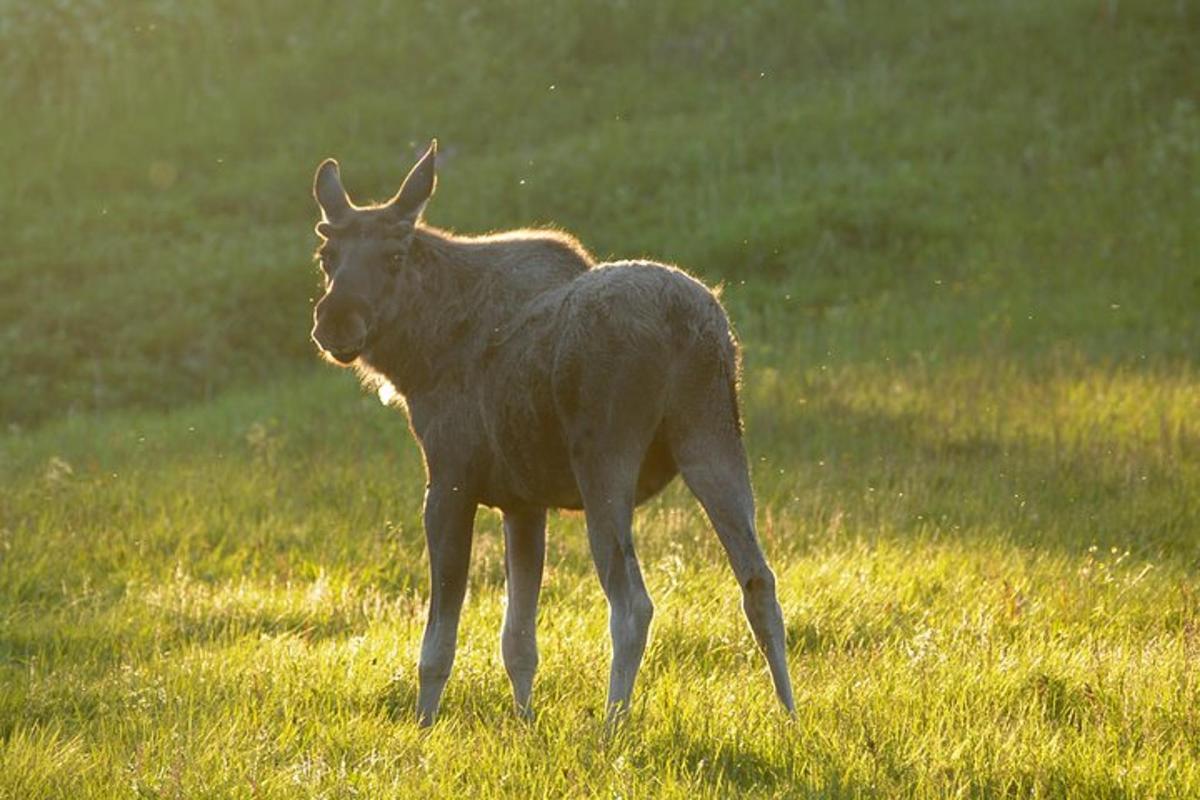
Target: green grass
(959, 241)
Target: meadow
(960, 243)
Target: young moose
(534, 380)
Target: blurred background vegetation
(870, 180)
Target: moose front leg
(449, 521)
(524, 558)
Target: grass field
(961, 245)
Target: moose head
(363, 250)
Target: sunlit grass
(1021, 175)
(972, 604)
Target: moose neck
(435, 327)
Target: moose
(534, 379)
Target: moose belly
(540, 476)
(531, 471)
(658, 469)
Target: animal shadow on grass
(741, 769)
(398, 697)
(737, 765)
(470, 697)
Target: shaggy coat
(536, 379)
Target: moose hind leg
(608, 499)
(524, 559)
(714, 468)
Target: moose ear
(418, 186)
(328, 191)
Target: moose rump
(619, 364)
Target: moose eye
(394, 261)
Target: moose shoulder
(535, 379)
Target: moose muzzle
(342, 325)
